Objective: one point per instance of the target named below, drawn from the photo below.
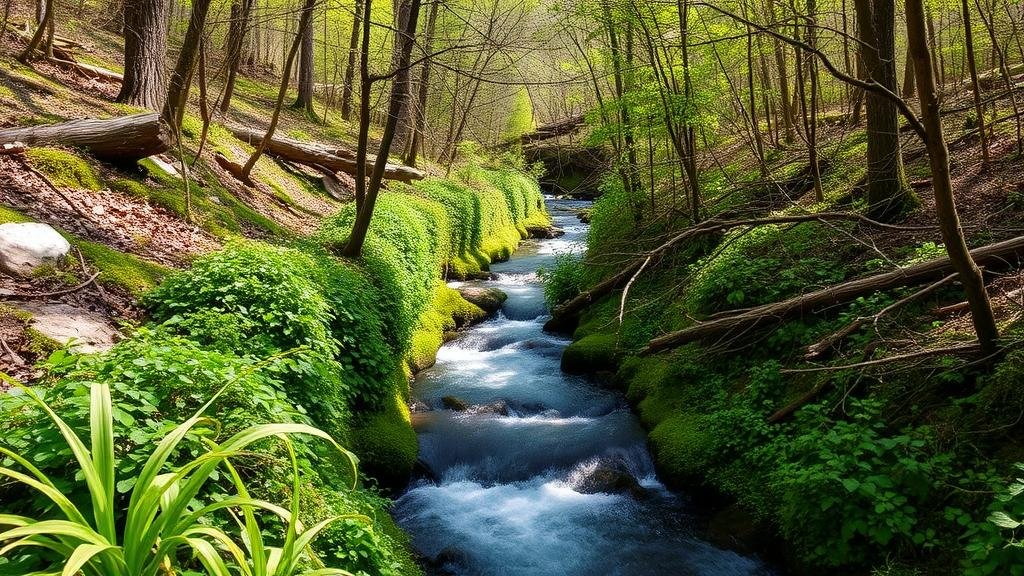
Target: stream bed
(545, 474)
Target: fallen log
(555, 129)
(124, 138)
(89, 70)
(994, 254)
(314, 155)
(818, 349)
(712, 226)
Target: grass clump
(64, 169)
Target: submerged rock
(544, 232)
(610, 478)
(487, 299)
(499, 407)
(25, 246)
(448, 562)
(456, 404)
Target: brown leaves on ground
(123, 222)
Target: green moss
(40, 344)
(386, 442)
(64, 169)
(123, 270)
(594, 353)
(679, 445)
(130, 187)
(8, 215)
(223, 217)
(448, 310)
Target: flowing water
(513, 490)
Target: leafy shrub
(565, 280)
(850, 489)
(153, 379)
(266, 285)
(760, 266)
(992, 542)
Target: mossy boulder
(592, 354)
(487, 299)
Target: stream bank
(532, 471)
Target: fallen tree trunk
(555, 129)
(994, 254)
(619, 279)
(89, 70)
(315, 156)
(123, 138)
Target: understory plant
(164, 527)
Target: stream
(536, 478)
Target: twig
(17, 359)
(961, 349)
(818, 349)
(54, 188)
(29, 295)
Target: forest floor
(133, 223)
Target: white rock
(27, 245)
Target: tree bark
(350, 68)
(305, 22)
(117, 139)
(420, 121)
(945, 206)
(315, 155)
(889, 194)
(145, 47)
(304, 101)
(741, 322)
(972, 66)
(366, 192)
(241, 11)
(44, 20)
(181, 78)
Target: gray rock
(456, 404)
(544, 232)
(488, 299)
(26, 246)
(610, 479)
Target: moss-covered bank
(907, 471)
(311, 337)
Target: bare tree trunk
(420, 121)
(44, 21)
(304, 101)
(241, 11)
(145, 47)
(780, 62)
(811, 114)
(366, 192)
(305, 22)
(972, 67)
(945, 206)
(889, 193)
(909, 84)
(404, 126)
(353, 51)
(181, 78)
